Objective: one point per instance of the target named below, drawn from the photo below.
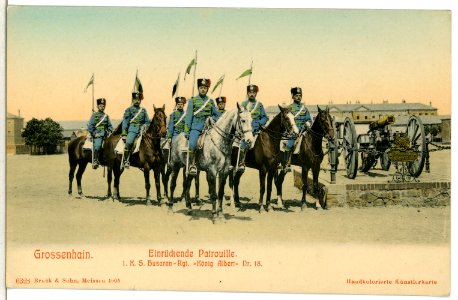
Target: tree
(43, 134)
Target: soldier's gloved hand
(124, 138)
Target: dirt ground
(40, 211)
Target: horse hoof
(148, 202)
(189, 212)
(268, 208)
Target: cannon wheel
(350, 148)
(416, 133)
(385, 162)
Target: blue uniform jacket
(173, 128)
(219, 113)
(137, 123)
(258, 114)
(197, 122)
(302, 117)
(103, 129)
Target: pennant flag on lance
(245, 73)
(175, 86)
(188, 69)
(220, 81)
(91, 81)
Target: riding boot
(192, 162)
(125, 162)
(287, 162)
(95, 163)
(241, 166)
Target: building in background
(15, 143)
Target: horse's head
(326, 122)
(159, 122)
(243, 125)
(287, 120)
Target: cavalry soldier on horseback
(200, 107)
(176, 123)
(135, 119)
(99, 127)
(259, 119)
(221, 106)
(303, 121)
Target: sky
(338, 55)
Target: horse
(214, 156)
(310, 155)
(149, 157)
(79, 157)
(264, 156)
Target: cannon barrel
(382, 122)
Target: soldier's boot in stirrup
(241, 166)
(192, 163)
(95, 163)
(125, 162)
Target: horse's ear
(282, 108)
(163, 107)
(154, 106)
(319, 109)
(327, 109)
(238, 107)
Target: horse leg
(196, 185)
(270, 176)
(211, 178)
(79, 175)
(262, 187)
(305, 171)
(279, 185)
(186, 187)
(183, 194)
(117, 176)
(165, 181)
(71, 175)
(147, 185)
(173, 184)
(109, 180)
(222, 183)
(157, 181)
(236, 182)
(316, 189)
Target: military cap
(101, 101)
(203, 82)
(252, 88)
(221, 99)
(180, 100)
(296, 90)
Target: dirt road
(39, 210)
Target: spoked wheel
(385, 162)
(350, 148)
(416, 134)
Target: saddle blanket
(296, 146)
(119, 149)
(87, 144)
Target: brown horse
(264, 156)
(79, 157)
(148, 158)
(310, 155)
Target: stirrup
(192, 170)
(241, 168)
(95, 165)
(287, 169)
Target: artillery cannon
(407, 149)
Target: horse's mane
(118, 129)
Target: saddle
(208, 125)
(119, 149)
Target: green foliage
(43, 133)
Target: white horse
(215, 155)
